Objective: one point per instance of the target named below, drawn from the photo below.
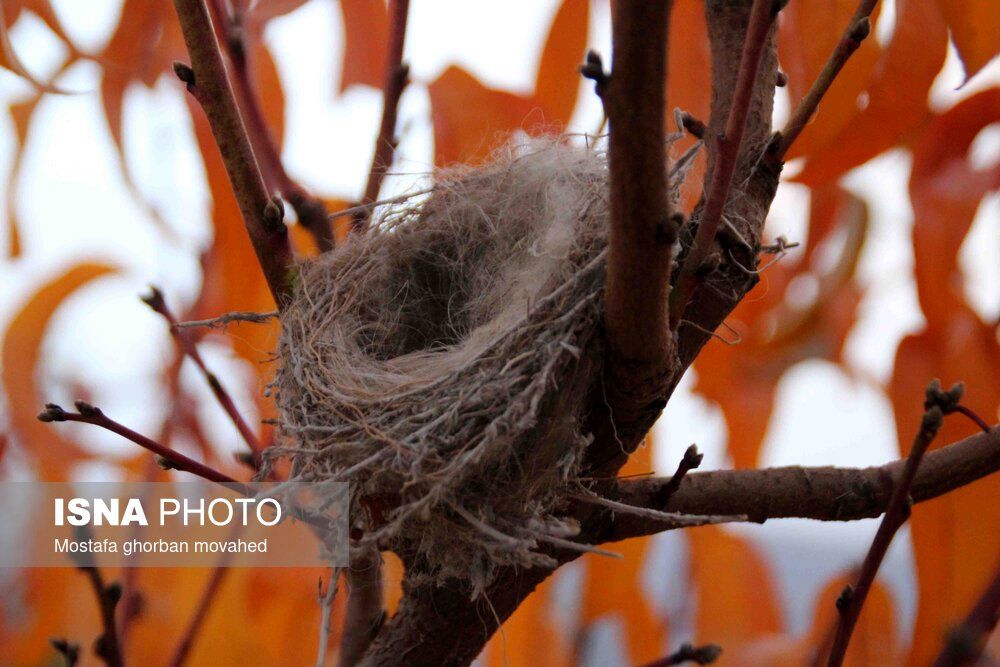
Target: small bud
(86, 409)
(861, 30)
(52, 413)
(154, 299)
(692, 457)
(274, 213)
(780, 79)
(114, 592)
(165, 463)
(184, 73)
(845, 599)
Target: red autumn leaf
(558, 82)
(471, 120)
(953, 536)
(366, 33)
(975, 31)
(776, 335)
(736, 599)
(21, 354)
(896, 97)
(614, 588)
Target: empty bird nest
(440, 361)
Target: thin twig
(857, 30)
(311, 212)
(207, 80)
(852, 599)
(188, 346)
(108, 595)
(326, 615)
(396, 77)
(88, 414)
(727, 149)
(227, 318)
(965, 643)
(201, 611)
(702, 655)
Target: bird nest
(440, 362)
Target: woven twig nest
(440, 362)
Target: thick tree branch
(396, 78)
(364, 614)
(727, 152)
(825, 494)
(207, 80)
(642, 231)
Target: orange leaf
(896, 96)
(953, 536)
(736, 597)
(615, 587)
(530, 636)
(808, 32)
(558, 83)
(471, 120)
(366, 33)
(21, 354)
(975, 30)
(21, 113)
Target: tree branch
(642, 231)
(727, 153)
(311, 212)
(206, 79)
(364, 615)
(88, 414)
(825, 494)
(108, 595)
(965, 643)
(852, 600)
(396, 77)
(201, 611)
(188, 347)
(856, 32)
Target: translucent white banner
(173, 524)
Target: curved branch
(207, 80)
(825, 494)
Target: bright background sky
(73, 207)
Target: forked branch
(207, 80)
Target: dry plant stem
(188, 347)
(896, 514)
(364, 614)
(107, 646)
(965, 643)
(727, 153)
(642, 231)
(198, 619)
(227, 318)
(90, 415)
(823, 494)
(207, 80)
(311, 212)
(857, 30)
(396, 77)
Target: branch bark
(824, 494)
(396, 77)
(207, 80)
(642, 232)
